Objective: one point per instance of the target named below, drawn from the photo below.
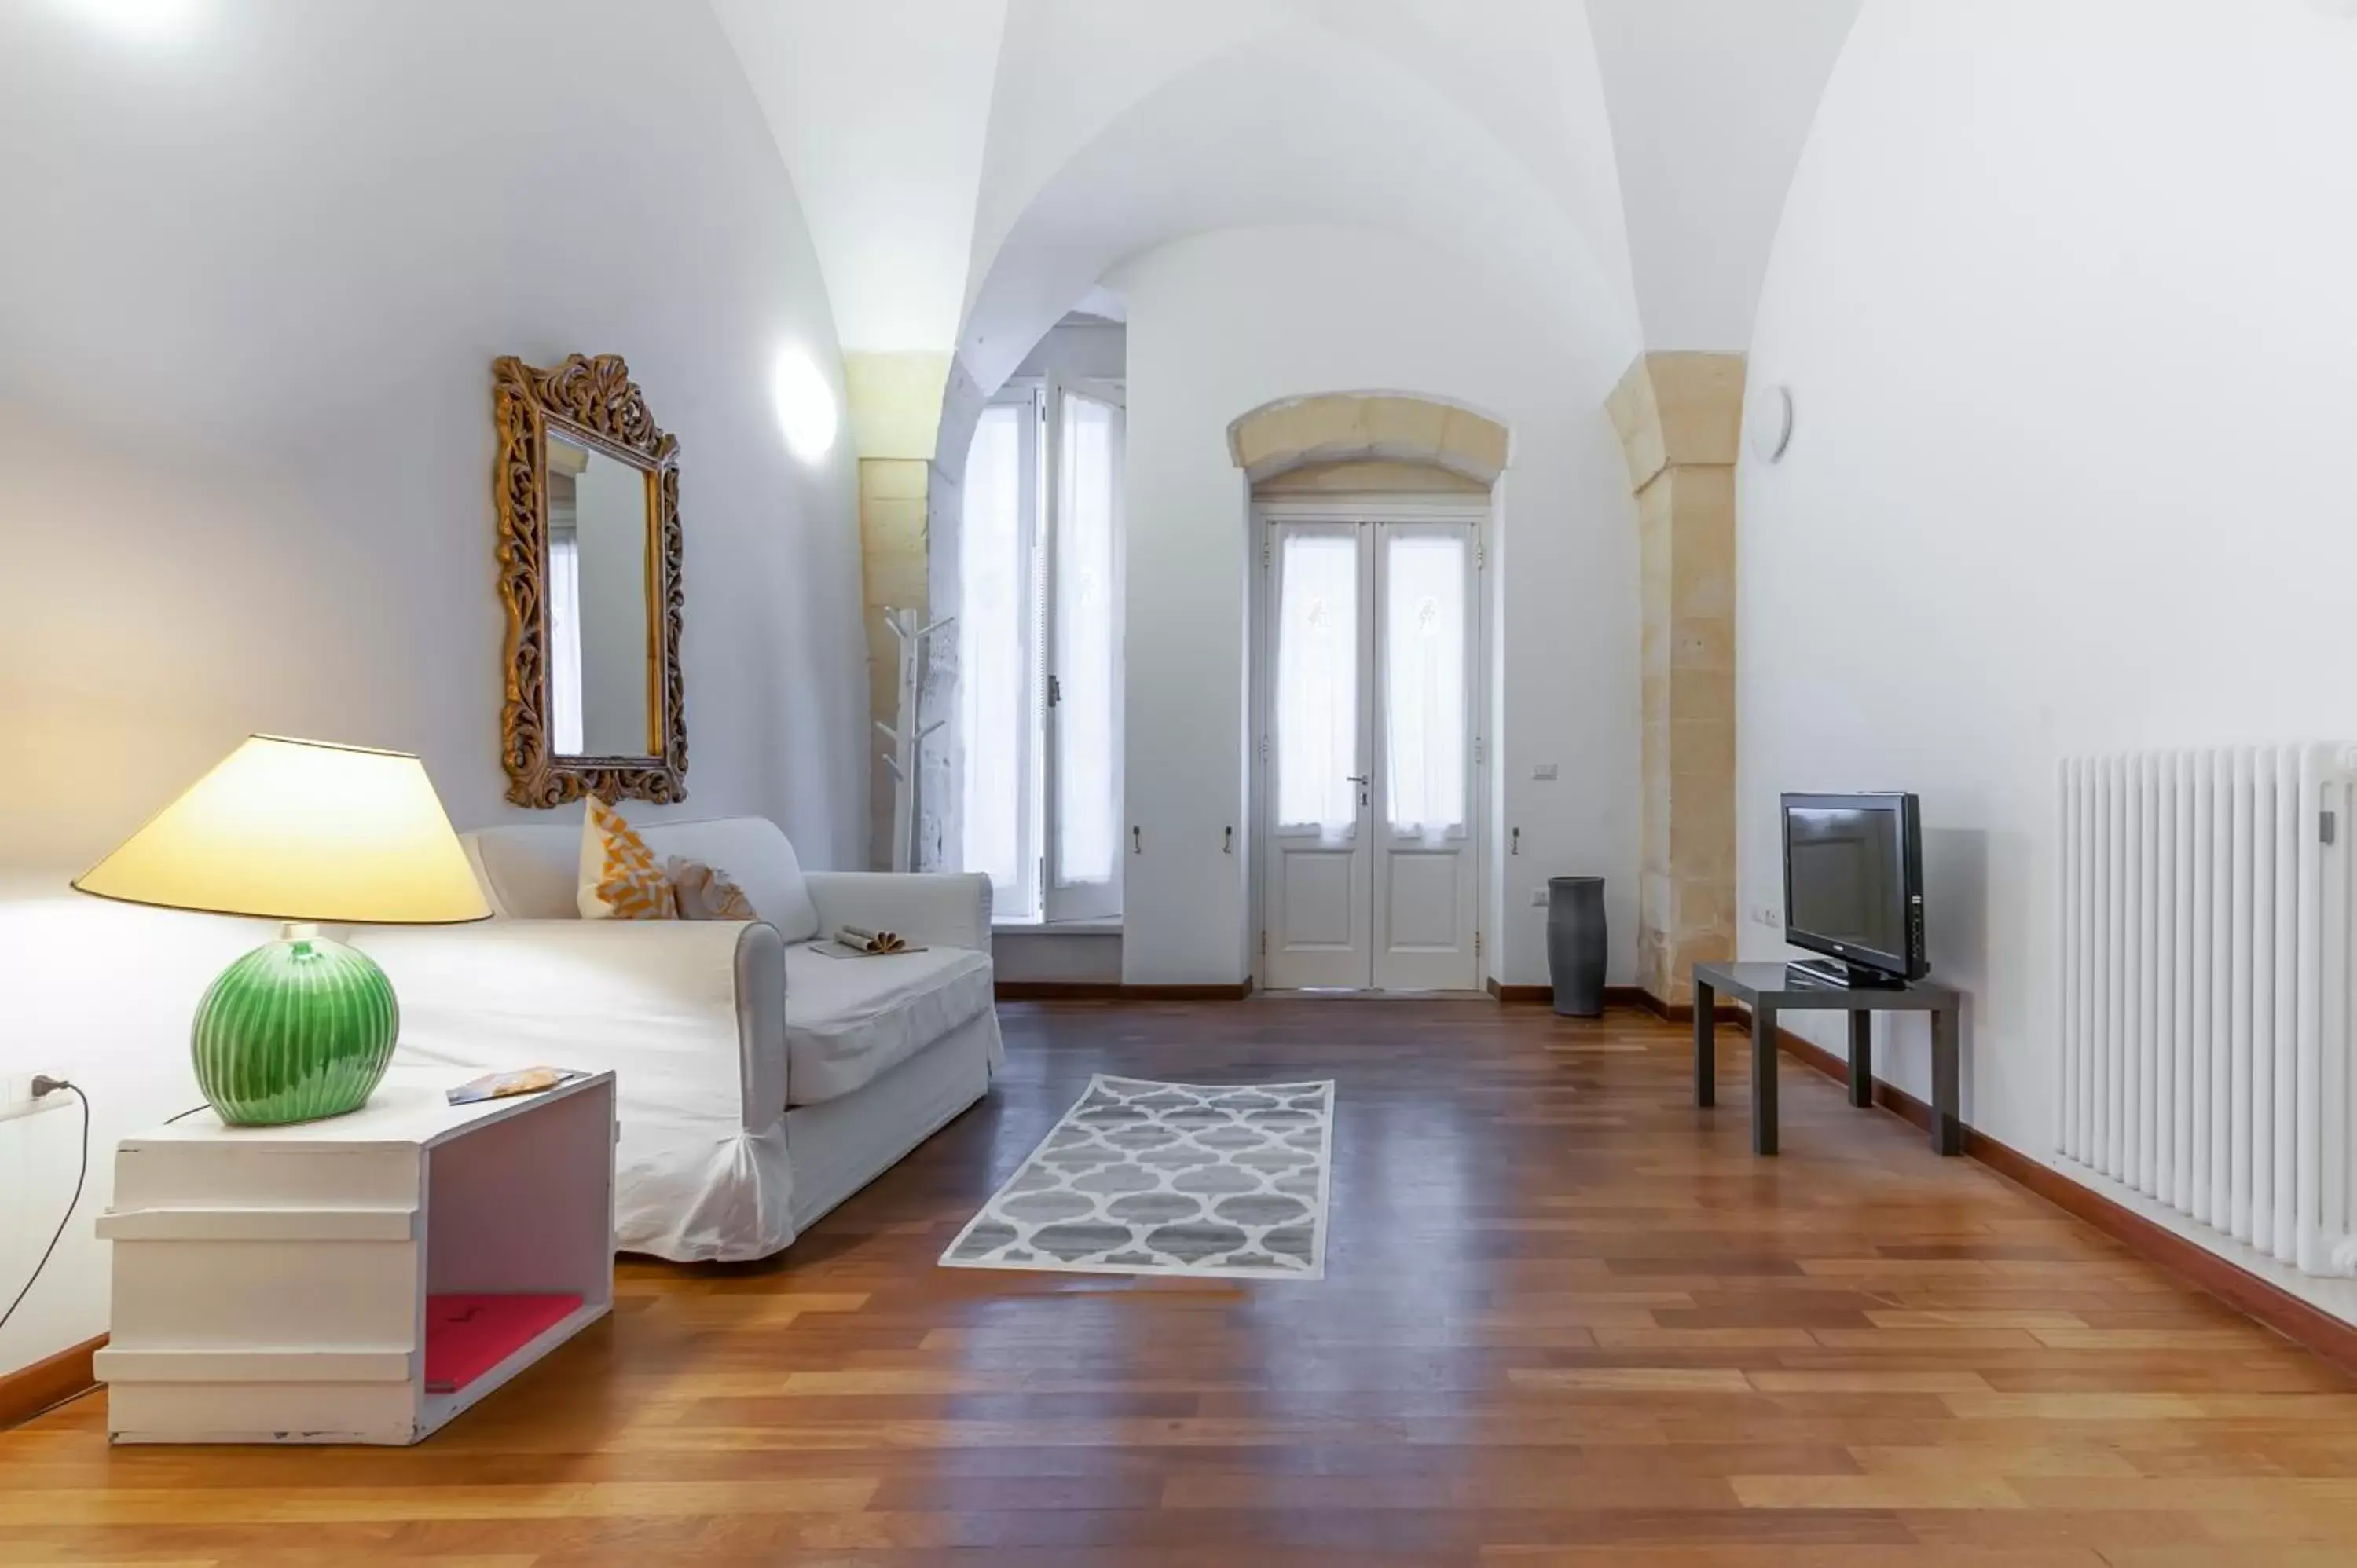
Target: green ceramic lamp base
(297, 1029)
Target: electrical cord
(43, 1086)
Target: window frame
(1066, 901)
(1042, 894)
(1026, 905)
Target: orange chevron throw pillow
(621, 878)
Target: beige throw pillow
(705, 894)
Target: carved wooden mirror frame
(589, 400)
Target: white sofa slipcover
(760, 1082)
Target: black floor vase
(1575, 944)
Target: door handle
(1354, 777)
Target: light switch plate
(1545, 773)
(1538, 897)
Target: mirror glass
(600, 655)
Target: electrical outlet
(1770, 917)
(1538, 897)
(17, 1097)
(1546, 773)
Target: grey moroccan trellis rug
(1168, 1178)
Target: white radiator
(2206, 1007)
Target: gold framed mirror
(586, 490)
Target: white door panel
(1318, 908)
(1369, 867)
(1425, 862)
(1317, 879)
(1420, 899)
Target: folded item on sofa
(858, 941)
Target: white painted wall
(1224, 322)
(254, 279)
(2064, 296)
(1711, 102)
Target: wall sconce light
(805, 403)
(145, 20)
(1769, 421)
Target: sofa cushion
(621, 877)
(850, 1019)
(531, 871)
(756, 855)
(704, 894)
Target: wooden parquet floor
(1568, 1322)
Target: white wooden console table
(359, 1279)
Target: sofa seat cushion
(848, 1020)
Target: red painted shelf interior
(467, 1335)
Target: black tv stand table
(1774, 987)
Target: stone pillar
(1680, 416)
(896, 411)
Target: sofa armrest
(688, 1015)
(941, 909)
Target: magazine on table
(503, 1085)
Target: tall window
(997, 651)
(1425, 682)
(1317, 716)
(1040, 646)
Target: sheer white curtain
(1317, 701)
(1088, 668)
(995, 638)
(1425, 682)
(564, 641)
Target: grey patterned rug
(1140, 1178)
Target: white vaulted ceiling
(971, 169)
(1712, 100)
(1297, 124)
(881, 109)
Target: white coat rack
(906, 734)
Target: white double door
(1370, 800)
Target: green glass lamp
(303, 832)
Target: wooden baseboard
(1112, 991)
(1543, 995)
(27, 1392)
(1888, 1096)
(1682, 1012)
(2265, 1303)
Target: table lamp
(299, 830)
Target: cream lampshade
(299, 831)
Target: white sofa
(761, 1082)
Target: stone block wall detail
(1353, 428)
(1680, 419)
(896, 413)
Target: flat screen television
(1854, 887)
